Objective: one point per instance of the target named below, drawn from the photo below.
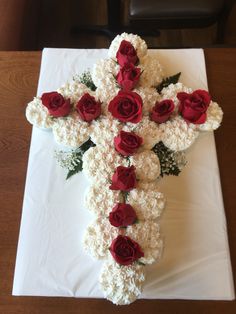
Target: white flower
(147, 235)
(137, 42)
(177, 134)
(105, 95)
(149, 97)
(147, 165)
(214, 118)
(100, 199)
(37, 114)
(171, 91)
(74, 91)
(101, 162)
(148, 204)
(104, 129)
(152, 74)
(121, 284)
(148, 130)
(104, 73)
(71, 131)
(98, 237)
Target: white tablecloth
(50, 258)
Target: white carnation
(101, 162)
(147, 235)
(104, 73)
(74, 91)
(98, 237)
(171, 91)
(152, 74)
(148, 130)
(105, 95)
(121, 284)
(149, 97)
(37, 114)
(147, 165)
(100, 199)
(177, 134)
(71, 131)
(148, 204)
(137, 42)
(104, 129)
(214, 118)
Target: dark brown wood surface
(19, 73)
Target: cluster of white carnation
(177, 134)
(37, 114)
(74, 90)
(121, 284)
(104, 129)
(152, 72)
(148, 130)
(214, 118)
(171, 91)
(100, 162)
(100, 199)
(148, 204)
(147, 235)
(71, 131)
(98, 238)
(138, 43)
(147, 165)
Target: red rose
(126, 107)
(122, 215)
(162, 110)
(125, 251)
(128, 76)
(56, 104)
(127, 143)
(193, 106)
(123, 179)
(88, 108)
(126, 53)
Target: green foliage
(167, 81)
(171, 162)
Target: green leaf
(78, 168)
(167, 81)
(78, 158)
(86, 145)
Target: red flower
(193, 106)
(127, 143)
(88, 108)
(128, 76)
(125, 251)
(162, 110)
(126, 53)
(126, 107)
(122, 215)
(123, 179)
(56, 104)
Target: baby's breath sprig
(86, 79)
(72, 160)
(171, 162)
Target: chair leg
(113, 26)
(221, 24)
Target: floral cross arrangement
(127, 126)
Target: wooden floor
(56, 31)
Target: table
(18, 82)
